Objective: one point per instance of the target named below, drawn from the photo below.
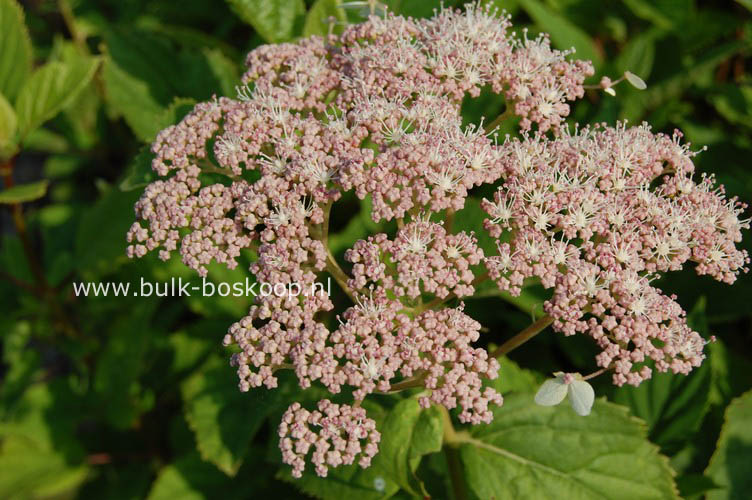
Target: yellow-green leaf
(50, 89)
(7, 129)
(275, 20)
(15, 49)
(24, 192)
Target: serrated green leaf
(564, 34)
(397, 448)
(50, 89)
(15, 49)
(275, 20)
(144, 74)
(529, 451)
(133, 99)
(428, 434)
(317, 19)
(24, 192)
(730, 464)
(223, 419)
(8, 124)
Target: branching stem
(531, 331)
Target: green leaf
(40, 455)
(274, 20)
(223, 419)
(50, 89)
(529, 451)
(734, 102)
(8, 124)
(24, 192)
(403, 440)
(144, 73)
(15, 49)
(31, 472)
(190, 478)
(672, 405)
(731, 463)
(638, 55)
(428, 434)
(692, 486)
(100, 240)
(564, 34)
(513, 378)
(317, 19)
(139, 173)
(120, 365)
(651, 11)
(224, 69)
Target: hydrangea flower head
(594, 214)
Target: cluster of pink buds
(334, 434)
(595, 215)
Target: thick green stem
(452, 440)
(522, 337)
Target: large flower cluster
(599, 214)
(376, 111)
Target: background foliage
(115, 397)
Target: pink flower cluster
(597, 215)
(334, 435)
(376, 111)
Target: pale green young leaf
(530, 451)
(50, 89)
(8, 124)
(15, 49)
(731, 463)
(24, 192)
(275, 20)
